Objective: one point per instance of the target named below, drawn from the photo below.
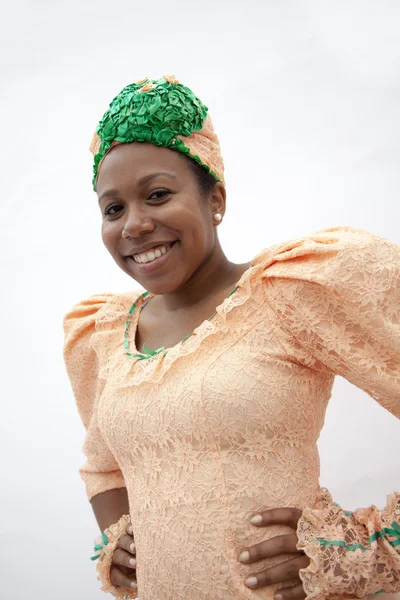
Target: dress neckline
(132, 322)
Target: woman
(204, 393)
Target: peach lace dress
(226, 422)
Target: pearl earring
(218, 217)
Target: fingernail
(256, 520)
(132, 547)
(133, 584)
(244, 556)
(132, 561)
(251, 582)
(278, 597)
(130, 530)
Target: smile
(153, 254)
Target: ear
(218, 200)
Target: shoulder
(84, 317)
(341, 266)
(328, 255)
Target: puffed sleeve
(100, 471)
(337, 293)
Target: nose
(137, 223)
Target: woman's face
(157, 225)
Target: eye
(158, 195)
(112, 210)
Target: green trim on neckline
(147, 352)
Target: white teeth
(146, 257)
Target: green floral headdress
(162, 112)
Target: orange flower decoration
(171, 79)
(140, 81)
(95, 144)
(149, 86)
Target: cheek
(109, 235)
(194, 218)
(201, 229)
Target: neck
(213, 276)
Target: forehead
(127, 163)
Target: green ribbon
(99, 547)
(147, 353)
(393, 531)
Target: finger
(293, 593)
(124, 559)
(125, 542)
(129, 529)
(286, 571)
(277, 516)
(282, 544)
(119, 579)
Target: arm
(340, 302)
(108, 507)
(115, 569)
(101, 471)
(105, 485)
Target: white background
(305, 98)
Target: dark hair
(205, 180)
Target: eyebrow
(115, 193)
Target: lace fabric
(226, 423)
(351, 553)
(112, 535)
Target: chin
(157, 285)
(159, 288)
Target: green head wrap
(162, 112)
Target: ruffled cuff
(105, 546)
(352, 554)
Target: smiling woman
(204, 392)
(145, 208)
